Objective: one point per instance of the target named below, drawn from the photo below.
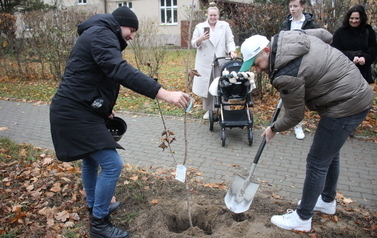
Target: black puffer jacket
(308, 23)
(358, 41)
(94, 72)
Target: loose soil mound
(164, 213)
(44, 198)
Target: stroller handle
(228, 58)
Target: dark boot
(103, 228)
(112, 208)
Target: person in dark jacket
(84, 102)
(357, 40)
(307, 71)
(298, 19)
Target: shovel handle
(263, 143)
(277, 111)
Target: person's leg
(89, 178)
(111, 166)
(326, 144)
(208, 103)
(322, 169)
(329, 191)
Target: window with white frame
(168, 10)
(127, 4)
(81, 2)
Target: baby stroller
(233, 100)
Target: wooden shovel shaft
(263, 143)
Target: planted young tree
(150, 48)
(194, 15)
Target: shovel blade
(241, 194)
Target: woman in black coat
(357, 40)
(85, 100)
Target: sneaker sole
(290, 229)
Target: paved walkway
(281, 166)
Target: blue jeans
(322, 162)
(100, 187)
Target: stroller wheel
(250, 137)
(223, 137)
(211, 120)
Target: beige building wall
(150, 9)
(144, 9)
(97, 5)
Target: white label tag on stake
(180, 173)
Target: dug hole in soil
(155, 205)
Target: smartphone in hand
(206, 29)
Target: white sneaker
(206, 115)
(299, 133)
(292, 221)
(324, 207)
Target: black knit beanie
(126, 17)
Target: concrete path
(281, 166)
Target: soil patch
(44, 198)
(163, 212)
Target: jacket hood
(296, 44)
(106, 20)
(320, 33)
(103, 20)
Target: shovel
(240, 195)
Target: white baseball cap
(250, 48)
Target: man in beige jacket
(307, 71)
